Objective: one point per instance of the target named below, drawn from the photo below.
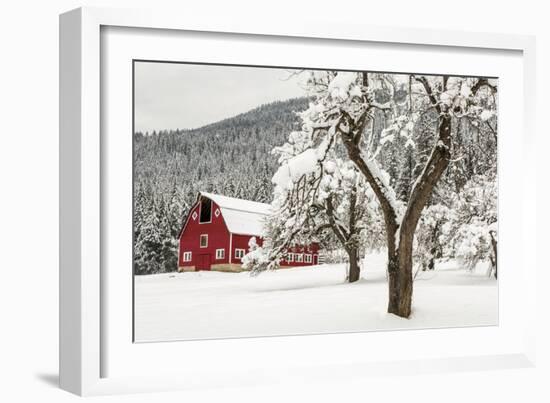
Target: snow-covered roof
(242, 217)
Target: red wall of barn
(219, 238)
(241, 242)
(312, 250)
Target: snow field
(308, 300)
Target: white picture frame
(82, 298)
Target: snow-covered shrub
(475, 222)
(432, 235)
(256, 256)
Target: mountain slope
(230, 157)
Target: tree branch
(483, 82)
(379, 188)
(424, 185)
(433, 100)
(335, 227)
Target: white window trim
(308, 258)
(239, 251)
(290, 257)
(200, 241)
(220, 254)
(299, 257)
(187, 256)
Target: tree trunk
(494, 261)
(346, 237)
(354, 268)
(400, 264)
(431, 264)
(393, 283)
(401, 280)
(400, 276)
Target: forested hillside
(231, 157)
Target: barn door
(204, 262)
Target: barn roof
(243, 217)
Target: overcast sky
(185, 96)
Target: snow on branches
(363, 135)
(475, 222)
(318, 197)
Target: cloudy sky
(185, 96)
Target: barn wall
(241, 242)
(312, 249)
(218, 238)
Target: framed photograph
(237, 197)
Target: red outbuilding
(218, 229)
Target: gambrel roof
(243, 217)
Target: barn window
(239, 253)
(206, 211)
(299, 257)
(308, 258)
(204, 241)
(186, 256)
(290, 257)
(220, 253)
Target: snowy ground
(200, 305)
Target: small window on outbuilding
(206, 210)
(204, 241)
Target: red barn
(217, 230)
